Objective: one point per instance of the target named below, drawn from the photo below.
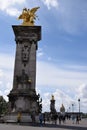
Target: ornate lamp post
(79, 105)
(72, 108)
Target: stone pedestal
(52, 106)
(23, 97)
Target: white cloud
(82, 95)
(6, 62)
(6, 74)
(49, 74)
(46, 101)
(67, 85)
(40, 52)
(9, 6)
(51, 3)
(1, 73)
(60, 98)
(63, 98)
(13, 11)
(82, 91)
(6, 83)
(68, 16)
(4, 4)
(0, 82)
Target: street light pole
(79, 105)
(72, 108)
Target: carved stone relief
(23, 80)
(25, 51)
(21, 104)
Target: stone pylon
(23, 97)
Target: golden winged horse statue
(28, 16)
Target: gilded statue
(28, 16)
(52, 97)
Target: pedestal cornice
(27, 33)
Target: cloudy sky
(62, 52)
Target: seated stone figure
(23, 79)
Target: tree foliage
(3, 105)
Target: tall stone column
(23, 95)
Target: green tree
(3, 105)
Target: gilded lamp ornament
(28, 16)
